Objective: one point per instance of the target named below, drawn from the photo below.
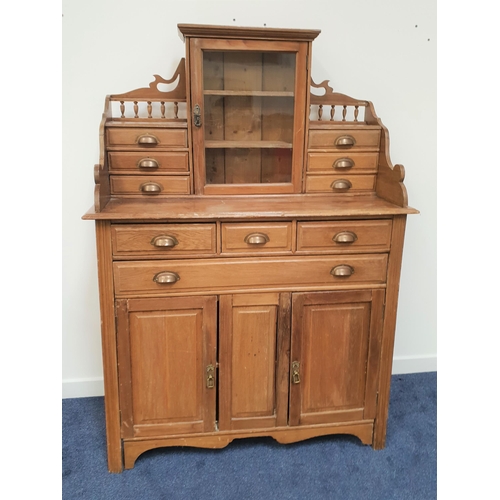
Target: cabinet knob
(148, 140)
(166, 278)
(343, 163)
(150, 188)
(164, 241)
(342, 270)
(341, 184)
(345, 140)
(148, 163)
(345, 237)
(256, 239)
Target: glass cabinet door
(248, 106)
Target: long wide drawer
(167, 240)
(208, 274)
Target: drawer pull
(256, 239)
(164, 241)
(345, 140)
(344, 163)
(342, 270)
(148, 163)
(341, 184)
(151, 188)
(345, 237)
(148, 140)
(166, 278)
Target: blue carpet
(330, 467)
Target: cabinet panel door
(253, 390)
(334, 356)
(166, 348)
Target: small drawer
(163, 276)
(165, 240)
(257, 238)
(144, 185)
(339, 183)
(344, 236)
(345, 139)
(147, 137)
(160, 161)
(351, 162)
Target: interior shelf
(248, 144)
(256, 93)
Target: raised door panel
(251, 392)
(334, 357)
(165, 347)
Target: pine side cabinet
(250, 229)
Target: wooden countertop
(247, 207)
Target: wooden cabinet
(249, 239)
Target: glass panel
(248, 116)
(248, 166)
(257, 71)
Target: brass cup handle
(166, 278)
(148, 140)
(345, 237)
(343, 163)
(345, 140)
(150, 188)
(256, 239)
(164, 241)
(148, 163)
(341, 184)
(342, 270)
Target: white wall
(381, 51)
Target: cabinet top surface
(262, 33)
(247, 207)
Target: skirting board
(90, 387)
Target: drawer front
(135, 277)
(334, 138)
(336, 183)
(146, 163)
(166, 240)
(257, 238)
(344, 236)
(351, 162)
(149, 185)
(147, 138)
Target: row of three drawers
(131, 241)
(146, 161)
(342, 159)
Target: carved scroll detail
(331, 97)
(152, 93)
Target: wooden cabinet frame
(232, 308)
